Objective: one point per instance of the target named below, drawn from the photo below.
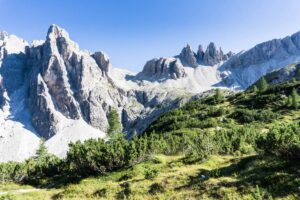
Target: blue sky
(134, 31)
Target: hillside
(52, 87)
(220, 177)
(241, 146)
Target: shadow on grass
(276, 176)
(55, 182)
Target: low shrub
(150, 173)
(156, 188)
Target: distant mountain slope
(55, 90)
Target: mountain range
(52, 89)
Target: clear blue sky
(134, 31)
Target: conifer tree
(255, 90)
(295, 98)
(218, 96)
(262, 84)
(289, 101)
(115, 126)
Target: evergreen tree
(42, 151)
(289, 101)
(132, 154)
(218, 96)
(255, 90)
(114, 123)
(295, 98)
(262, 84)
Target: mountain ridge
(55, 90)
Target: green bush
(7, 197)
(43, 164)
(283, 141)
(150, 173)
(248, 116)
(126, 192)
(100, 193)
(156, 188)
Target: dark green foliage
(125, 193)
(97, 156)
(295, 98)
(100, 193)
(115, 126)
(195, 114)
(255, 89)
(150, 173)
(289, 101)
(7, 197)
(262, 84)
(248, 116)
(42, 164)
(126, 176)
(241, 139)
(282, 141)
(156, 188)
(219, 98)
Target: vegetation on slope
(243, 146)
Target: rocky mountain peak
(102, 61)
(162, 68)
(200, 53)
(3, 35)
(188, 57)
(212, 55)
(55, 32)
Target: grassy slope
(220, 177)
(223, 177)
(274, 99)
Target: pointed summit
(200, 54)
(102, 61)
(55, 31)
(188, 57)
(212, 55)
(3, 35)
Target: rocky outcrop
(67, 83)
(212, 55)
(2, 98)
(103, 62)
(67, 77)
(188, 57)
(163, 68)
(200, 54)
(173, 68)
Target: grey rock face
(200, 54)
(102, 61)
(188, 57)
(163, 68)
(247, 67)
(2, 99)
(3, 35)
(212, 55)
(76, 84)
(67, 77)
